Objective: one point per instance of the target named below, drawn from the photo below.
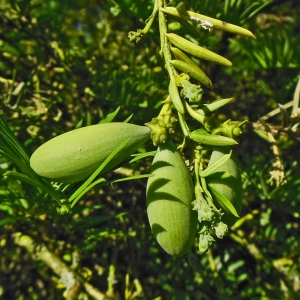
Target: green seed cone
(75, 155)
(231, 187)
(169, 195)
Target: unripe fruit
(169, 195)
(230, 187)
(75, 155)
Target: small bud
(221, 230)
(205, 241)
(64, 209)
(192, 92)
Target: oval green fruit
(75, 155)
(231, 187)
(169, 195)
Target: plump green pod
(75, 155)
(230, 187)
(169, 195)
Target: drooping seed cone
(169, 195)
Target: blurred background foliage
(66, 61)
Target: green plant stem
(165, 46)
(198, 188)
(151, 18)
(184, 126)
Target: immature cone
(75, 155)
(162, 127)
(169, 196)
(230, 187)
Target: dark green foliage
(69, 62)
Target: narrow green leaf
(79, 124)
(10, 140)
(205, 138)
(206, 191)
(208, 109)
(109, 117)
(262, 135)
(85, 190)
(23, 178)
(38, 184)
(248, 11)
(226, 7)
(130, 178)
(256, 11)
(223, 200)
(216, 165)
(94, 175)
(142, 155)
(220, 175)
(128, 119)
